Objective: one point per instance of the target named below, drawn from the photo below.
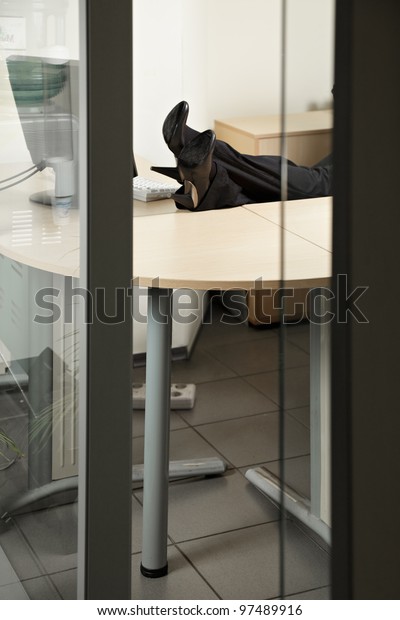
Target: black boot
(168, 171)
(173, 130)
(174, 127)
(194, 165)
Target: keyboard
(148, 190)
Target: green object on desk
(35, 80)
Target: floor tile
(201, 367)
(175, 422)
(296, 386)
(42, 588)
(245, 564)
(299, 335)
(320, 594)
(20, 555)
(13, 405)
(182, 582)
(184, 444)
(227, 531)
(212, 505)
(13, 482)
(248, 358)
(255, 439)
(7, 573)
(52, 535)
(66, 584)
(221, 328)
(13, 592)
(137, 525)
(226, 399)
(301, 414)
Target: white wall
(224, 57)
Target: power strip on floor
(182, 395)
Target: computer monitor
(47, 99)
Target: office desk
(235, 248)
(225, 249)
(308, 135)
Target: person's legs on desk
(235, 178)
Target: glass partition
(40, 355)
(60, 267)
(306, 212)
(258, 73)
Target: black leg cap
(154, 573)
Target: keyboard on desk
(148, 190)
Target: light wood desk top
(310, 218)
(229, 248)
(38, 236)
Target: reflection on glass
(305, 382)
(39, 352)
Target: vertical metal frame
(104, 537)
(365, 401)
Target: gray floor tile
(137, 525)
(7, 573)
(228, 330)
(13, 482)
(227, 529)
(181, 583)
(138, 422)
(301, 414)
(244, 564)
(299, 335)
(184, 444)
(296, 386)
(320, 594)
(66, 584)
(248, 358)
(13, 405)
(13, 592)
(226, 399)
(255, 439)
(20, 555)
(201, 367)
(212, 505)
(52, 534)
(41, 589)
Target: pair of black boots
(193, 159)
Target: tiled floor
(224, 535)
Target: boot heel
(195, 163)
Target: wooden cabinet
(309, 135)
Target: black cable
(36, 169)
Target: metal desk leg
(156, 445)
